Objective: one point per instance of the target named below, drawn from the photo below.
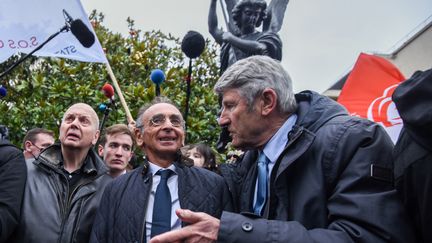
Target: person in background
(413, 151)
(202, 155)
(65, 185)
(36, 140)
(310, 173)
(141, 204)
(116, 149)
(13, 175)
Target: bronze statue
(242, 39)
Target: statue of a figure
(242, 39)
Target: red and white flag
(368, 90)
(25, 24)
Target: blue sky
(321, 39)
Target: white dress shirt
(173, 187)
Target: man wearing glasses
(142, 204)
(36, 140)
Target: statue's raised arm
(242, 39)
(213, 23)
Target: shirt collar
(155, 168)
(277, 143)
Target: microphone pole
(64, 29)
(192, 45)
(188, 92)
(106, 110)
(108, 91)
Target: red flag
(367, 92)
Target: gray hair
(250, 76)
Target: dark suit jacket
(121, 215)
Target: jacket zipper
(68, 202)
(63, 206)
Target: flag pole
(119, 93)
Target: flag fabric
(24, 24)
(368, 90)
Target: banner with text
(25, 24)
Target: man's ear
(268, 101)
(94, 141)
(100, 150)
(138, 137)
(27, 146)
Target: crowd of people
(310, 172)
(303, 169)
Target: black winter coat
(49, 215)
(121, 215)
(321, 188)
(413, 151)
(13, 174)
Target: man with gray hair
(141, 204)
(64, 187)
(311, 172)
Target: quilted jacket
(121, 215)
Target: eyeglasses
(160, 119)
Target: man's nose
(75, 122)
(119, 151)
(222, 120)
(167, 125)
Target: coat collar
(52, 157)
(179, 162)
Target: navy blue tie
(262, 183)
(161, 221)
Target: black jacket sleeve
(13, 175)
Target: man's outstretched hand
(202, 228)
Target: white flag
(25, 24)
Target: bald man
(64, 187)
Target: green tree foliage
(41, 89)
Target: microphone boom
(79, 30)
(82, 33)
(193, 44)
